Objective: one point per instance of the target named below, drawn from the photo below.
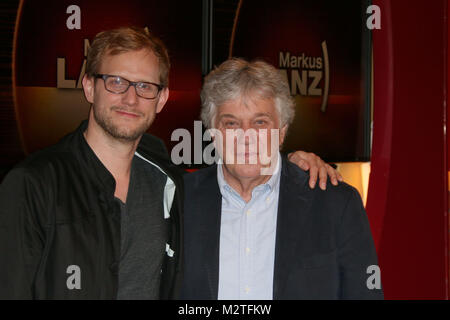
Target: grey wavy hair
(236, 78)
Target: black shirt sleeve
(21, 236)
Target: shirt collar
(272, 183)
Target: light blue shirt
(247, 240)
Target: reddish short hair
(127, 39)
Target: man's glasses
(119, 85)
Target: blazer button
(114, 267)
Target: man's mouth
(248, 154)
(127, 113)
(247, 157)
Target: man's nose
(247, 135)
(245, 126)
(130, 97)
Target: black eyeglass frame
(130, 83)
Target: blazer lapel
(211, 207)
(293, 209)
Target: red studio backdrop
(50, 57)
(407, 199)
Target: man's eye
(144, 86)
(260, 122)
(230, 123)
(117, 81)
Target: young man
(98, 215)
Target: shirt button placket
(249, 245)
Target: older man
(253, 228)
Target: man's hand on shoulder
(317, 168)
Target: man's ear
(88, 88)
(163, 97)
(283, 134)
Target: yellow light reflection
(357, 175)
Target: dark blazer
(323, 242)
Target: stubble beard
(106, 122)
